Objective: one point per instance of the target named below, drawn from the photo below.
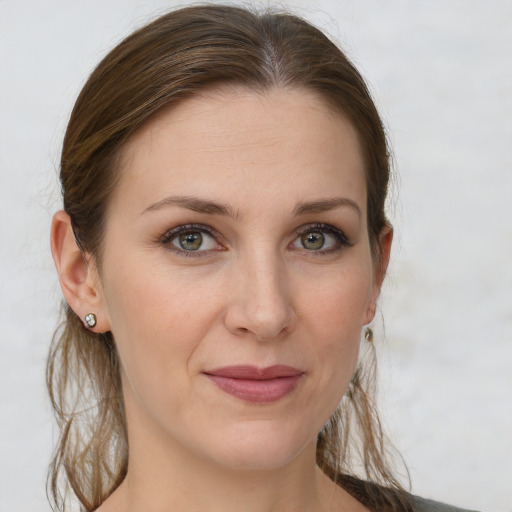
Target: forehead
(234, 142)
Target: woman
(221, 251)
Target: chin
(259, 448)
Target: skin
(279, 164)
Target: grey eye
(312, 240)
(194, 241)
(317, 240)
(190, 241)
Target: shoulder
(424, 505)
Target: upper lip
(255, 373)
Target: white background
(441, 73)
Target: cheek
(336, 314)
(340, 302)
(331, 317)
(154, 331)
(159, 318)
(145, 299)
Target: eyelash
(342, 240)
(173, 233)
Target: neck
(173, 481)
(197, 485)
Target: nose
(260, 301)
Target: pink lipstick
(259, 385)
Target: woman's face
(237, 275)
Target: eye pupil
(313, 240)
(190, 241)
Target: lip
(258, 385)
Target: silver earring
(90, 320)
(368, 335)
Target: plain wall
(441, 74)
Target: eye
(194, 241)
(313, 240)
(191, 239)
(321, 238)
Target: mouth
(258, 385)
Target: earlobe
(78, 280)
(381, 266)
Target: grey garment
(423, 505)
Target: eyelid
(170, 234)
(341, 236)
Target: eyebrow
(195, 204)
(323, 205)
(210, 207)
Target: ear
(77, 274)
(381, 266)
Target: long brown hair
(159, 65)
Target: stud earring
(90, 320)
(368, 335)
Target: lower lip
(258, 391)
